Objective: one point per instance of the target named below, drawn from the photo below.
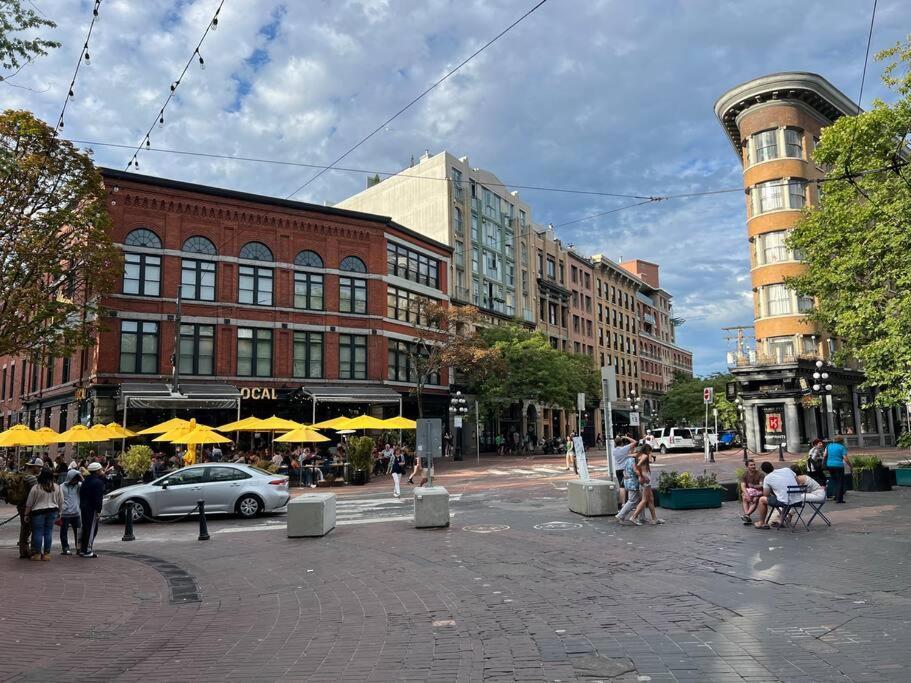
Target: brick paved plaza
(518, 588)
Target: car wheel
(141, 510)
(249, 506)
(663, 449)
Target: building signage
(634, 419)
(257, 393)
(708, 395)
(773, 422)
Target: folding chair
(817, 512)
(798, 495)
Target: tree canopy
(17, 51)
(57, 256)
(683, 403)
(529, 368)
(856, 242)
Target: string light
(202, 62)
(174, 85)
(84, 58)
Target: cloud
(608, 95)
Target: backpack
(14, 488)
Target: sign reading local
(257, 393)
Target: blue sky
(603, 95)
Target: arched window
(199, 245)
(197, 276)
(308, 287)
(143, 237)
(142, 272)
(353, 264)
(256, 251)
(308, 259)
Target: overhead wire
(159, 118)
(419, 97)
(84, 57)
(860, 96)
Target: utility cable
(85, 57)
(419, 97)
(860, 96)
(211, 26)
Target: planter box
(359, 477)
(902, 476)
(876, 479)
(691, 499)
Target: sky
(596, 95)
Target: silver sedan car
(225, 487)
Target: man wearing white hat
(90, 499)
(29, 478)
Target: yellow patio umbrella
(400, 422)
(166, 426)
(121, 432)
(49, 435)
(365, 422)
(278, 424)
(200, 435)
(247, 424)
(83, 434)
(177, 431)
(302, 435)
(21, 435)
(334, 423)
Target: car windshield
(684, 433)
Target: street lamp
(459, 410)
(741, 421)
(634, 406)
(822, 387)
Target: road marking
(558, 526)
(485, 528)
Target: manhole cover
(558, 526)
(444, 622)
(485, 528)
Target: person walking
(570, 453)
(90, 499)
(645, 487)
(622, 452)
(70, 515)
(26, 482)
(836, 459)
(398, 469)
(44, 503)
(633, 492)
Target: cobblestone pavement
(518, 588)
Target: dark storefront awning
(350, 393)
(160, 395)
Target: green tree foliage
(17, 50)
(528, 368)
(857, 242)
(57, 255)
(683, 403)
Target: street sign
(458, 422)
(634, 419)
(580, 402)
(708, 395)
(581, 460)
(609, 383)
(730, 391)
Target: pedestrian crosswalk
(350, 510)
(538, 471)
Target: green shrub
(136, 461)
(865, 462)
(904, 440)
(903, 465)
(360, 450)
(686, 480)
(799, 466)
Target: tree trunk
(419, 393)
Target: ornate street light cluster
(457, 408)
(822, 387)
(742, 421)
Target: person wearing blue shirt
(836, 457)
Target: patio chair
(796, 502)
(817, 512)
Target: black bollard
(128, 521)
(780, 452)
(203, 527)
(711, 452)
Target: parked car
(227, 488)
(665, 439)
(699, 439)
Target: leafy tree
(856, 242)
(15, 51)
(58, 259)
(683, 403)
(528, 368)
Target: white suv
(672, 438)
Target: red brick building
(284, 307)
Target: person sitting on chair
(774, 490)
(750, 491)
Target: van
(672, 438)
(699, 440)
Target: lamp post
(822, 388)
(634, 406)
(742, 422)
(458, 409)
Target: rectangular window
(308, 355)
(458, 190)
(352, 356)
(255, 285)
(768, 196)
(458, 223)
(551, 268)
(797, 191)
(308, 291)
(138, 346)
(254, 352)
(460, 254)
(141, 274)
(401, 358)
(781, 348)
(778, 300)
(808, 344)
(3, 386)
(404, 305)
(804, 304)
(12, 380)
(411, 265)
(197, 349)
(766, 144)
(793, 143)
(197, 280)
(66, 370)
(352, 295)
